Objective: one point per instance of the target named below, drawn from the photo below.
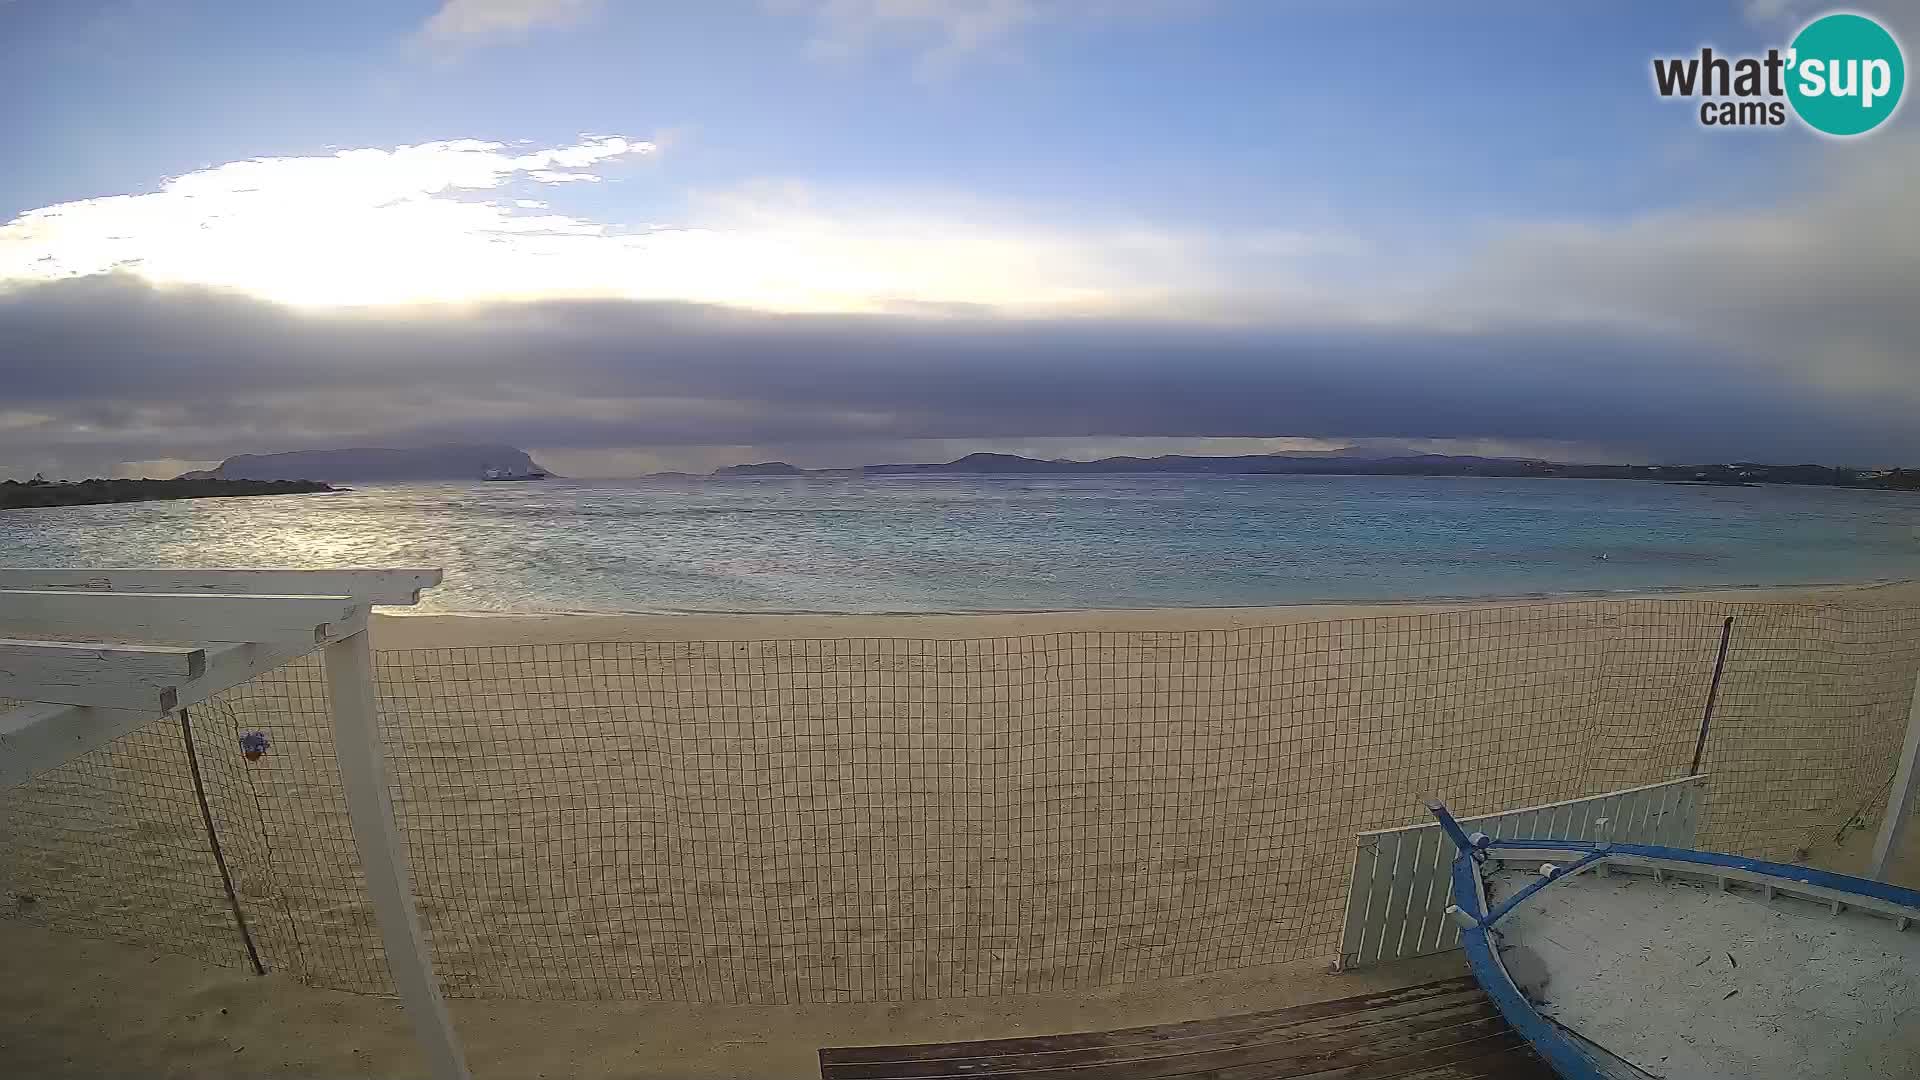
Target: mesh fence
(896, 819)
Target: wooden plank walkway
(1436, 1031)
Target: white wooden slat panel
(1366, 872)
(1405, 873)
(1606, 823)
(399, 587)
(1434, 936)
(183, 618)
(1634, 821)
(1402, 878)
(1386, 851)
(1361, 876)
(1393, 911)
(1419, 890)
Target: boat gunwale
(1557, 1044)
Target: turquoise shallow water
(971, 543)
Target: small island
(762, 468)
(15, 495)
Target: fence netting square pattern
(898, 819)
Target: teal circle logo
(1846, 74)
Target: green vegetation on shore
(15, 495)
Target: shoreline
(467, 629)
(1652, 592)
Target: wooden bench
(1447, 1029)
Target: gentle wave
(982, 544)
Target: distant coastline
(1336, 463)
(15, 495)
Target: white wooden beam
(363, 773)
(183, 618)
(1900, 800)
(400, 587)
(99, 657)
(97, 673)
(37, 737)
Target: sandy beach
(751, 835)
(81, 1007)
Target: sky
(631, 236)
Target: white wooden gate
(1396, 905)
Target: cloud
(356, 226)
(444, 222)
(776, 318)
(1766, 11)
(467, 19)
(111, 369)
(1818, 290)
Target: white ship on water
(494, 472)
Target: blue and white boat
(1632, 961)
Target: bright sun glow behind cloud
(449, 222)
(355, 227)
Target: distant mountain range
(1345, 463)
(364, 464)
(1371, 458)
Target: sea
(971, 543)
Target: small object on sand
(1728, 994)
(254, 744)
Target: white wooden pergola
(97, 653)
